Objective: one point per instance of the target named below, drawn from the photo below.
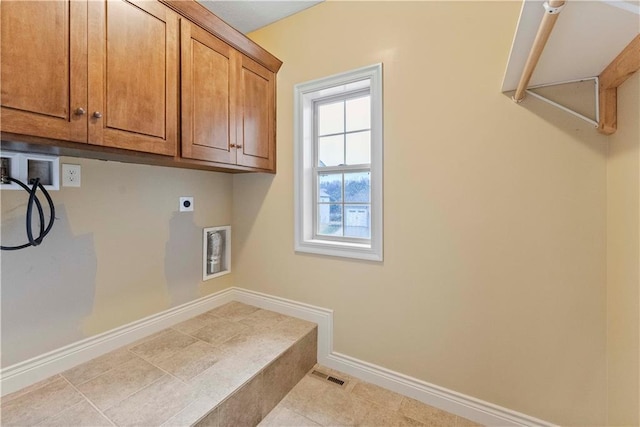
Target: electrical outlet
(186, 204)
(70, 175)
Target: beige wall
(118, 252)
(623, 260)
(493, 281)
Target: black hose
(33, 199)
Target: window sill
(339, 249)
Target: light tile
(322, 403)
(98, 366)
(372, 415)
(233, 311)
(153, 405)
(378, 395)
(193, 413)
(292, 329)
(119, 383)
(147, 338)
(34, 406)
(261, 319)
(190, 361)
(11, 396)
(212, 419)
(163, 346)
(283, 417)
(243, 408)
(305, 354)
(222, 379)
(463, 422)
(426, 414)
(303, 393)
(254, 347)
(80, 415)
(195, 323)
(219, 331)
(279, 375)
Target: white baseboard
(448, 400)
(38, 368)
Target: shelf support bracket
(569, 110)
(616, 73)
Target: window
(338, 165)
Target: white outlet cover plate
(71, 175)
(189, 201)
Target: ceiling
(587, 36)
(249, 15)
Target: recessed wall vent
(328, 378)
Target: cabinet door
(256, 111)
(44, 69)
(133, 76)
(208, 96)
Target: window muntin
(343, 166)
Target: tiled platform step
(227, 367)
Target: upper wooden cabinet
(100, 72)
(209, 96)
(44, 68)
(228, 103)
(107, 73)
(133, 76)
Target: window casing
(338, 165)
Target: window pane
(359, 113)
(330, 219)
(357, 221)
(331, 118)
(330, 188)
(357, 187)
(331, 150)
(359, 148)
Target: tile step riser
(251, 402)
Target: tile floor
(167, 379)
(176, 376)
(317, 402)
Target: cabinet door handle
(97, 114)
(232, 145)
(80, 111)
(238, 146)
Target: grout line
(42, 420)
(305, 416)
(101, 373)
(130, 394)
(158, 368)
(89, 401)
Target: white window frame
(305, 94)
